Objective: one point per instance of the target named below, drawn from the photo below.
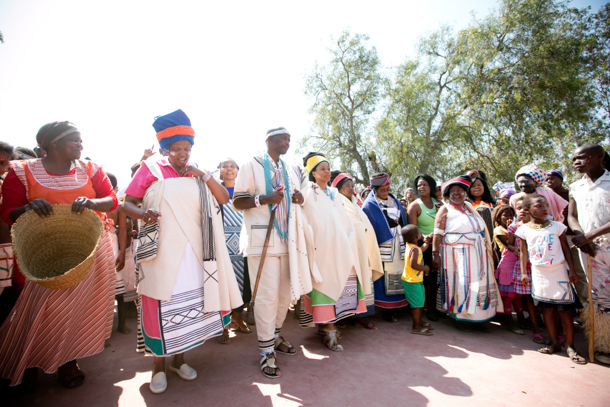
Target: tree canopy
(525, 84)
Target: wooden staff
(591, 311)
(260, 265)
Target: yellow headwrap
(313, 161)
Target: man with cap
(265, 184)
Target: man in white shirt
(265, 181)
(589, 218)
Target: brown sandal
(243, 327)
(288, 348)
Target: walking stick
(591, 311)
(263, 255)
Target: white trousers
(272, 298)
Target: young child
(544, 242)
(503, 217)
(413, 277)
(523, 217)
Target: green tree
(511, 89)
(418, 129)
(345, 95)
(525, 84)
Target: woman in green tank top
(422, 213)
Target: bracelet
(257, 201)
(206, 175)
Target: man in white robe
(267, 183)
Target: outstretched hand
(148, 152)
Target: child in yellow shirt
(413, 277)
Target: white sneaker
(158, 384)
(185, 372)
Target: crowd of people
(195, 253)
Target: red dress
(48, 328)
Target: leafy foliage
(526, 84)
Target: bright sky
(236, 68)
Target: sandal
(516, 330)
(332, 341)
(538, 338)
(427, 325)
(288, 348)
(70, 376)
(365, 325)
(322, 332)
(243, 327)
(422, 331)
(548, 350)
(268, 362)
(224, 339)
(575, 357)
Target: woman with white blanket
(339, 294)
(468, 290)
(186, 279)
(371, 266)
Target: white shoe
(185, 372)
(158, 384)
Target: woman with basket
(51, 328)
(182, 255)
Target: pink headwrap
(339, 178)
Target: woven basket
(58, 251)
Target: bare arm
(120, 261)
(503, 239)
(131, 209)
(220, 193)
(439, 223)
(413, 261)
(580, 239)
(523, 258)
(269, 199)
(568, 256)
(511, 244)
(413, 212)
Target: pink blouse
(143, 178)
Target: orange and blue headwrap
(173, 127)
